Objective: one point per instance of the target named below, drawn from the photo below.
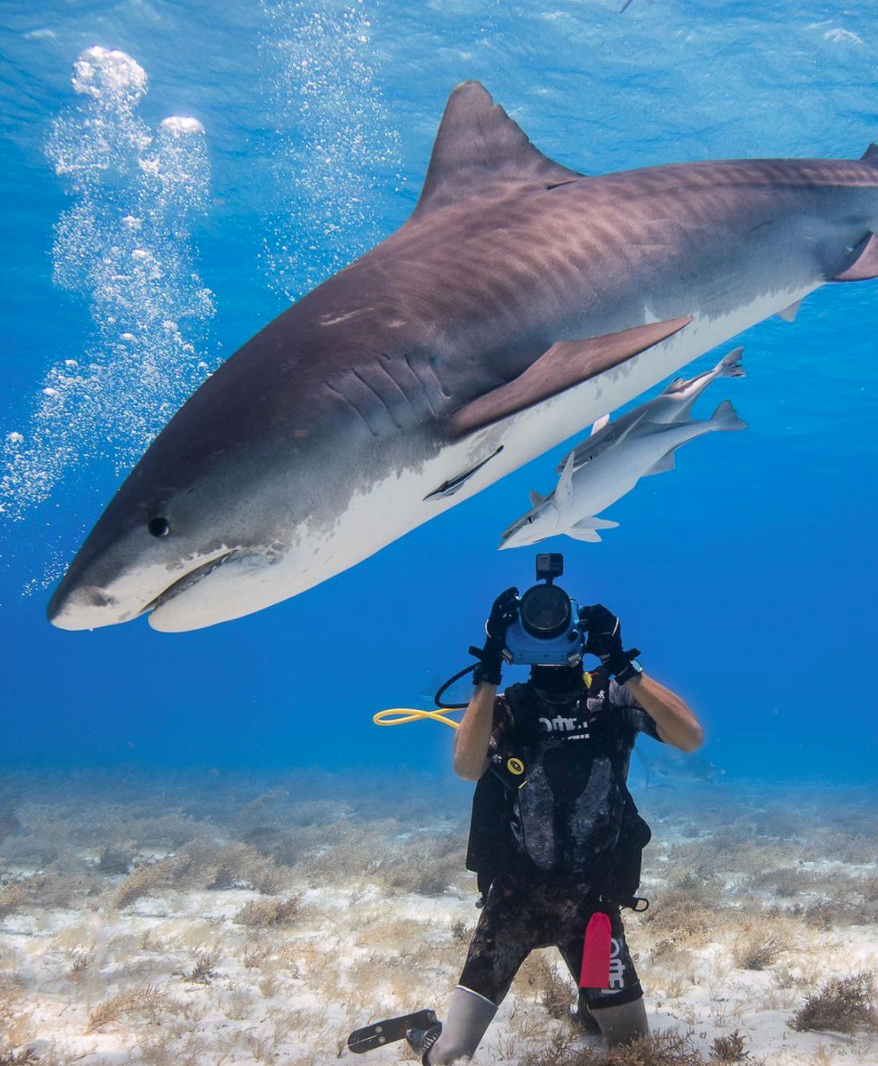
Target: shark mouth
(516, 527)
(188, 581)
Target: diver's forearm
(676, 723)
(472, 738)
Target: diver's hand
(605, 640)
(503, 614)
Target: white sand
(363, 945)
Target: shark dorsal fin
(535, 498)
(478, 145)
(564, 489)
(870, 155)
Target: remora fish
(608, 474)
(672, 405)
(519, 302)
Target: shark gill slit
(382, 402)
(420, 382)
(353, 407)
(385, 362)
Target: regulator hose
(404, 715)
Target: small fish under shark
(607, 466)
(520, 301)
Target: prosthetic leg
(621, 1025)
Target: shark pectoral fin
(788, 314)
(564, 365)
(664, 464)
(599, 425)
(865, 263)
(479, 147)
(583, 534)
(590, 522)
(586, 528)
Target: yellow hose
(403, 715)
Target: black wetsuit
(550, 851)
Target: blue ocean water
(747, 577)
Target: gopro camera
(548, 630)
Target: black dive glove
(503, 614)
(605, 641)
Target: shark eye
(530, 520)
(159, 527)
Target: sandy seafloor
(233, 918)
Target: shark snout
(81, 607)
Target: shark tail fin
(730, 365)
(725, 417)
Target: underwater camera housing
(548, 631)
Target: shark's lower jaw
(238, 583)
(188, 581)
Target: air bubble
(123, 246)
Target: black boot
(421, 1040)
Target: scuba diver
(556, 839)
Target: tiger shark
(519, 302)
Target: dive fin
(788, 314)
(599, 425)
(865, 262)
(479, 146)
(664, 464)
(536, 498)
(386, 1032)
(565, 364)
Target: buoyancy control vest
(574, 815)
